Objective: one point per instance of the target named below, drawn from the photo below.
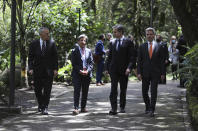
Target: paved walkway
(171, 113)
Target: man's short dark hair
(101, 37)
(120, 28)
(42, 29)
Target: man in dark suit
(43, 65)
(82, 63)
(121, 60)
(182, 47)
(100, 52)
(150, 69)
(159, 40)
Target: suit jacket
(165, 50)
(119, 61)
(153, 67)
(99, 54)
(43, 65)
(77, 62)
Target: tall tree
(22, 24)
(187, 15)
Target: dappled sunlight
(66, 102)
(141, 103)
(161, 118)
(116, 128)
(161, 125)
(168, 113)
(160, 104)
(78, 121)
(87, 129)
(102, 103)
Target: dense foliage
(191, 69)
(96, 17)
(187, 15)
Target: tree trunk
(187, 16)
(23, 59)
(22, 47)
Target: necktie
(43, 48)
(150, 50)
(118, 46)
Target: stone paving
(171, 112)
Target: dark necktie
(118, 46)
(43, 51)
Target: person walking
(109, 37)
(159, 40)
(174, 59)
(82, 63)
(43, 65)
(150, 69)
(120, 61)
(100, 52)
(182, 47)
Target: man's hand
(139, 77)
(31, 72)
(127, 71)
(166, 61)
(162, 77)
(135, 72)
(84, 72)
(106, 72)
(81, 72)
(55, 72)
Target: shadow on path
(171, 113)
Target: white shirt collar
(41, 42)
(153, 44)
(121, 39)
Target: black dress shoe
(122, 110)
(152, 114)
(147, 111)
(112, 112)
(45, 111)
(39, 110)
(75, 112)
(84, 110)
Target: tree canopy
(96, 17)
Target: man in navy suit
(82, 62)
(151, 67)
(100, 51)
(121, 60)
(43, 65)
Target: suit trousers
(82, 83)
(99, 71)
(43, 86)
(123, 80)
(151, 82)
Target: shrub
(5, 76)
(190, 73)
(64, 73)
(190, 70)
